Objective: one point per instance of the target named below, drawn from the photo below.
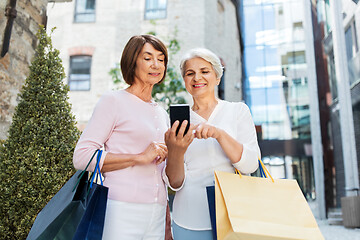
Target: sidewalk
(333, 232)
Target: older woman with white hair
(224, 139)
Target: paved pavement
(333, 232)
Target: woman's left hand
(206, 130)
(177, 145)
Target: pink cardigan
(123, 123)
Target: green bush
(36, 158)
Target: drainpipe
(10, 13)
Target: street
(333, 232)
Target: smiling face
(150, 66)
(200, 77)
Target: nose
(156, 64)
(197, 77)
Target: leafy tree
(169, 91)
(36, 158)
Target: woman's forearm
(114, 161)
(232, 148)
(177, 146)
(175, 169)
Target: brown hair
(132, 51)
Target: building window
(155, 9)
(79, 77)
(84, 11)
(221, 88)
(352, 53)
(351, 41)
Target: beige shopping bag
(256, 208)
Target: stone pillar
(346, 114)
(317, 150)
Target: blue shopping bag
(92, 223)
(210, 191)
(76, 212)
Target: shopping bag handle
(264, 174)
(97, 170)
(85, 170)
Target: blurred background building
(92, 34)
(276, 88)
(291, 83)
(294, 62)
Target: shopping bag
(254, 208)
(76, 211)
(168, 233)
(210, 192)
(92, 223)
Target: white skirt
(134, 221)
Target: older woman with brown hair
(130, 127)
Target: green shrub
(36, 158)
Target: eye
(189, 74)
(147, 59)
(161, 60)
(205, 72)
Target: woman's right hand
(179, 143)
(155, 151)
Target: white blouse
(204, 156)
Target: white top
(204, 156)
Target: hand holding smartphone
(180, 112)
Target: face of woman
(150, 65)
(200, 77)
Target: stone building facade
(340, 21)
(351, 24)
(14, 65)
(103, 31)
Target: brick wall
(14, 66)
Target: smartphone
(180, 112)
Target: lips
(199, 85)
(154, 74)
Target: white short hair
(205, 54)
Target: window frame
(87, 12)
(147, 11)
(85, 80)
(354, 37)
